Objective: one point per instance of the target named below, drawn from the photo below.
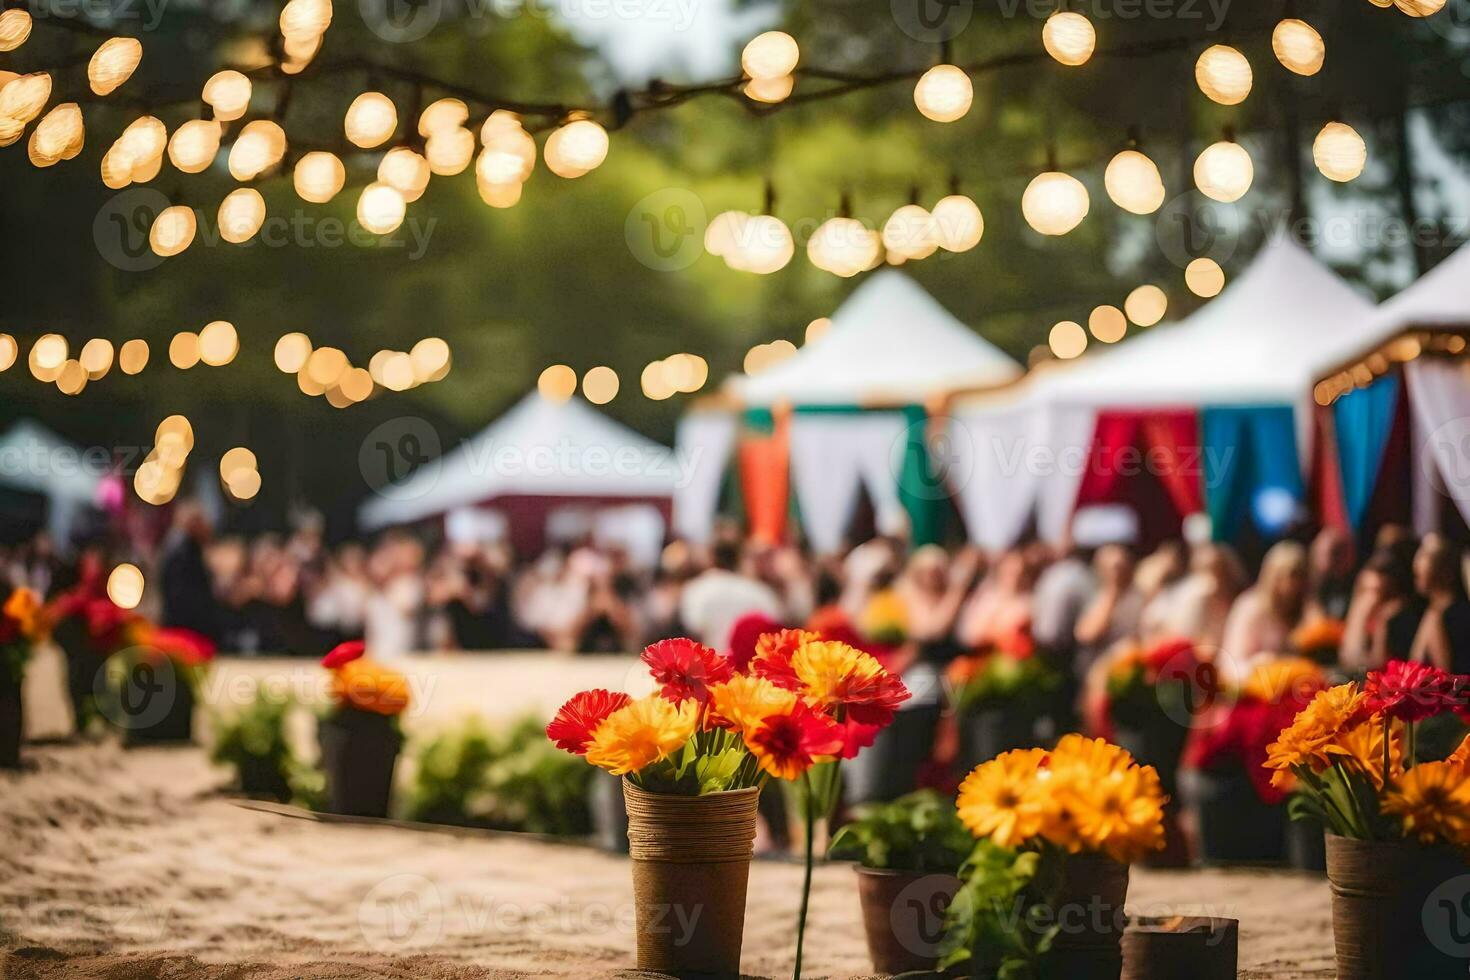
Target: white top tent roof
(890, 341)
(1265, 340)
(538, 448)
(35, 459)
(1439, 298)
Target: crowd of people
(293, 593)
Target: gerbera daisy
(1433, 800)
(1409, 691)
(742, 702)
(1362, 744)
(642, 732)
(773, 653)
(1095, 758)
(1122, 814)
(999, 800)
(835, 675)
(344, 653)
(685, 669)
(1289, 678)
(787, 745)
(1305, 741)
(1461, 755)
(574, 724)
(368, 686)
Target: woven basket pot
(1089, 909)
(691, 863)
(1399, 910)
(903, 916)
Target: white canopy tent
(1264, 341)
(890, 343)
(33, 459)
(565, 453)
(1439, 298)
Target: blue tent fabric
(1363, 419)
(1250, 464)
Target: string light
(371, 120)
(113, 64)
(1224, 74)
(1204, 277)
(1107, 324)
(910, 233)
(235, 460)
(600, 385)
(770, 55)
(430, 359)
(132, 357)
(59, 136)
(291, 352)
(509, 153)
(172, 231)
(15, 28)
(1339, 152)
(818, 329)
(183, 350)
(958, 223)
(763, 357)
(576, 148)
(764, 245)
(445, 114)
(228, 93)
(1055, 203)
(557, 383)
(381, 209)
(326, 365)
(1067, 340)
(194, 145)
(1419, 8)
(319, 177)
(1224, 172)
(9, 350)
(844, 247)
(218, 343)
(241, 214)
(49, 351)
(944, 93)
(1146, 305)
(72, 379)
(1298, 46)
(405, 171)
(770, 90)
(1069, 37)
(125, 586)
(96, 357)
(1134, 183)
(449, 151)
(259, 147)
(655, 385)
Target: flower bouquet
(153, 673)
(694, 757)
(360, 735)
(998, 695)
(1149, 701)
(1042, 893)
(1398, 831)
(1237, 811)
(22, 626)
(907, 853)
(1319, 640)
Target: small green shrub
(253, 742)
(919, 832)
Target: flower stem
(806, 884)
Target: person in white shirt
(716, 598)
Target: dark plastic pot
(903, 916)
(1186, 948)
(262, 777)
(1089, 910)
(1306, 845)
(889, 767)
(82, 667)
(987, 732)
(1235, 825)
(1398, 910)
(156, 706)
(12, 724)
(359, 753)
(1157, 742)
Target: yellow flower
(745, 701)
(1093, 757)
(641, 733)
(1001, 798)
(1287, 677)
(1362, 745)
(1305, 740)
(1433, 800)
(1121, 814)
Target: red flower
(856, 736)
(181, 644)
(685, 669)
(788, 745)
(744, 637)
(344, 653)
(1410, 691)
(1171, 660)
(574, 724)
(773, 653)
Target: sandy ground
(134, 866)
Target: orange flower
(1433, 800)
(24, 609)
(773, 653)
(1002, 799)
(1317, 635)
(836, 676)
(641, 733)
(1290, 677)
(368, 686)
(1121, 814)
(1461, 756)
(742, 702)
(1362, 746)
(788, 744)
(1305, 741)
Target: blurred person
(876, 559)
(1198, 605)
(185, 581)
(553, 603)
(1443, 635)
(932, 589)
(340, 605)
(1113, 615)
(1000, 606)
(1263, 617)
(1330, 568)
(1382, 593)
(391, 625)
(35, 565)
(716, 598)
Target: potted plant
(153, 675)
(22, 626)
(1238, 814)
(360, 734)
(907, 854)
(1042, 894)
(253, 743)
(1149, 702)
(998, 696)
(1397, 831)
(694, 757)
(1319, 640)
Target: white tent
(539, 449)
(36, 460)
(1439, 298)
(890, 343)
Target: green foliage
(515, 780)
(1008, 680)
(13, 659)
(920, 832)
(997, 923)
(253, 742)
(714, 761)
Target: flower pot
(1306, 845)
(691, 864)
(1157, 742)
(889, 767)
(155, 705)
(12, 724)
(987, 732)
(1398, 910)
(1089, 911)
(261, 776)
(82, 667)
(1165, 948)
(359, 751)
(1234, 823)
(903, 916)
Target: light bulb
(1204, 277)
(60, 134)
(1107, 324)
(510, 152)
(1298, 46)
(442, 115)
(1339, 152)
(766, 246)
(770, 90)
(291, 352)
(219, 342)
(319, 177)
(23, 97)
(1146, 305)
(557, 383)
(1224, 172)
(406, 171)
(576, 148)
(724, 234)
(1067, 340)
(1134, 183)
(371, 120)
(381, 209)
(600, 385)
(909, 232)
(770, 55)
(944, 93)
(1224, 74)
(1069, 37)
(1055, 203)
(132, 357)
(172, 231)
(844, 247)
(449, 151)
(113, 64)
(228, 94)
(241, 214)
(958, 223)
(260, 146)
(194, 145)
(15, 27)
